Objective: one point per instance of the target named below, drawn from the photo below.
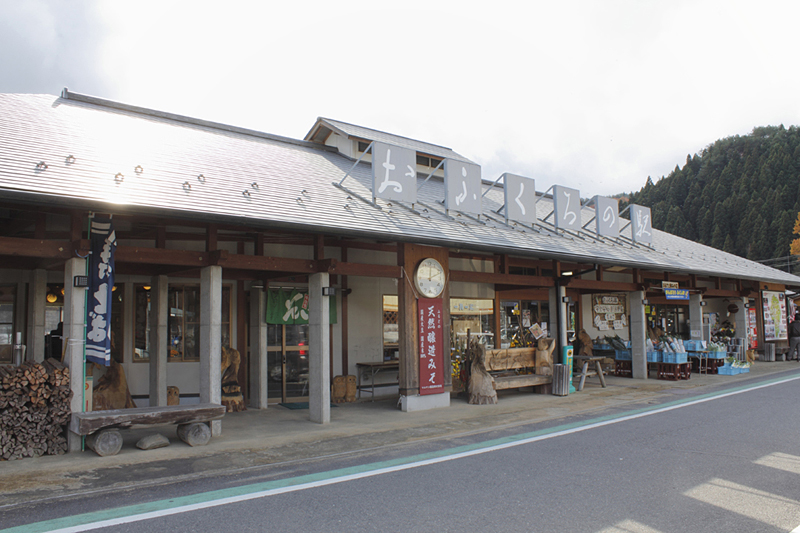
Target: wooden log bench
(513, 368)
(101, 428)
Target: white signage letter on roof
(520, 198)
(606, 216)
(462, 187)
(394, 173)
(641, 224)
(567, 206)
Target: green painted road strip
(183, 504)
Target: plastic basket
(654, 357)
(622, 355)
(725, 370)
(717, 355)
(669, 357)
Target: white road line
(398, 468)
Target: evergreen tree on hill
(740, 194)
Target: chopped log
(105, 442)
(34, 409)
(196, 434)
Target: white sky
(595, 95)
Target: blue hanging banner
(101, 282)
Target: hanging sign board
(774, 316)
(394, 173)
(606, 216)
(676, 294)
(462, 187)
(567, 206)
(101, 282)
(641, 224)
(520, 196)
(608, 311)
(431, 351)
(290, 307)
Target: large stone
(195, 434)
(152, 442)
(105, 442)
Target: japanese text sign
(567, 206)
(462, 187)
(431, 352)
(101, 283)
(394, 173)
(606, 216)
(520, 197)
(641, 224)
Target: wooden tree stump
(105, 442)
(481, 388)
(195, 434)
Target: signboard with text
(606, 216)
(520, 198)
(394, 173)
(462, 187)
(567, 207)
(676, 294)
(431, 351)
(641, 224)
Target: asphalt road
(728, 463)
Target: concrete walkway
(279, 435)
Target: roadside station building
(316, 257)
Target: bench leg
(195, 434)
(600, 373)
(105, 442)
(583, 375)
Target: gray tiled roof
(289, 185)
(359, 132)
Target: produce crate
(693, 346)
(669, 357)
(727, 370)
(622, 355)
(654, 357)
(717, 355)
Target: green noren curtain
(291, 307)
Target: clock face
(430, 278)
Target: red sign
(431, 353)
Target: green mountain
(740, 194)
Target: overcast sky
(595, 95)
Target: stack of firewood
(34, 409)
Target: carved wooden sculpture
(481, 384)
(231, 391)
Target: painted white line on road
(380, 471)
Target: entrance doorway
(287, 363)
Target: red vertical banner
(431, 352)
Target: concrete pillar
(159, 340)
(258, 348)
(74, 339)
(37, 301)
(740, 318)
(21, 312)
(211, 339)
(319, 387)
(695, 317)
(638, 335)
(558, 319)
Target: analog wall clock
(429, 278)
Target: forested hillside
(740, 194)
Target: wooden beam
(505, 279)
(319, 247)
(211, 238)
(610, 286)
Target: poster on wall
(752, 329)
(431, 351)
(774, 315)
(608, 311)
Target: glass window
(391, 333)
(183, 326)
(473, 316)
(517, 317)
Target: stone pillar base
(423, 403)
